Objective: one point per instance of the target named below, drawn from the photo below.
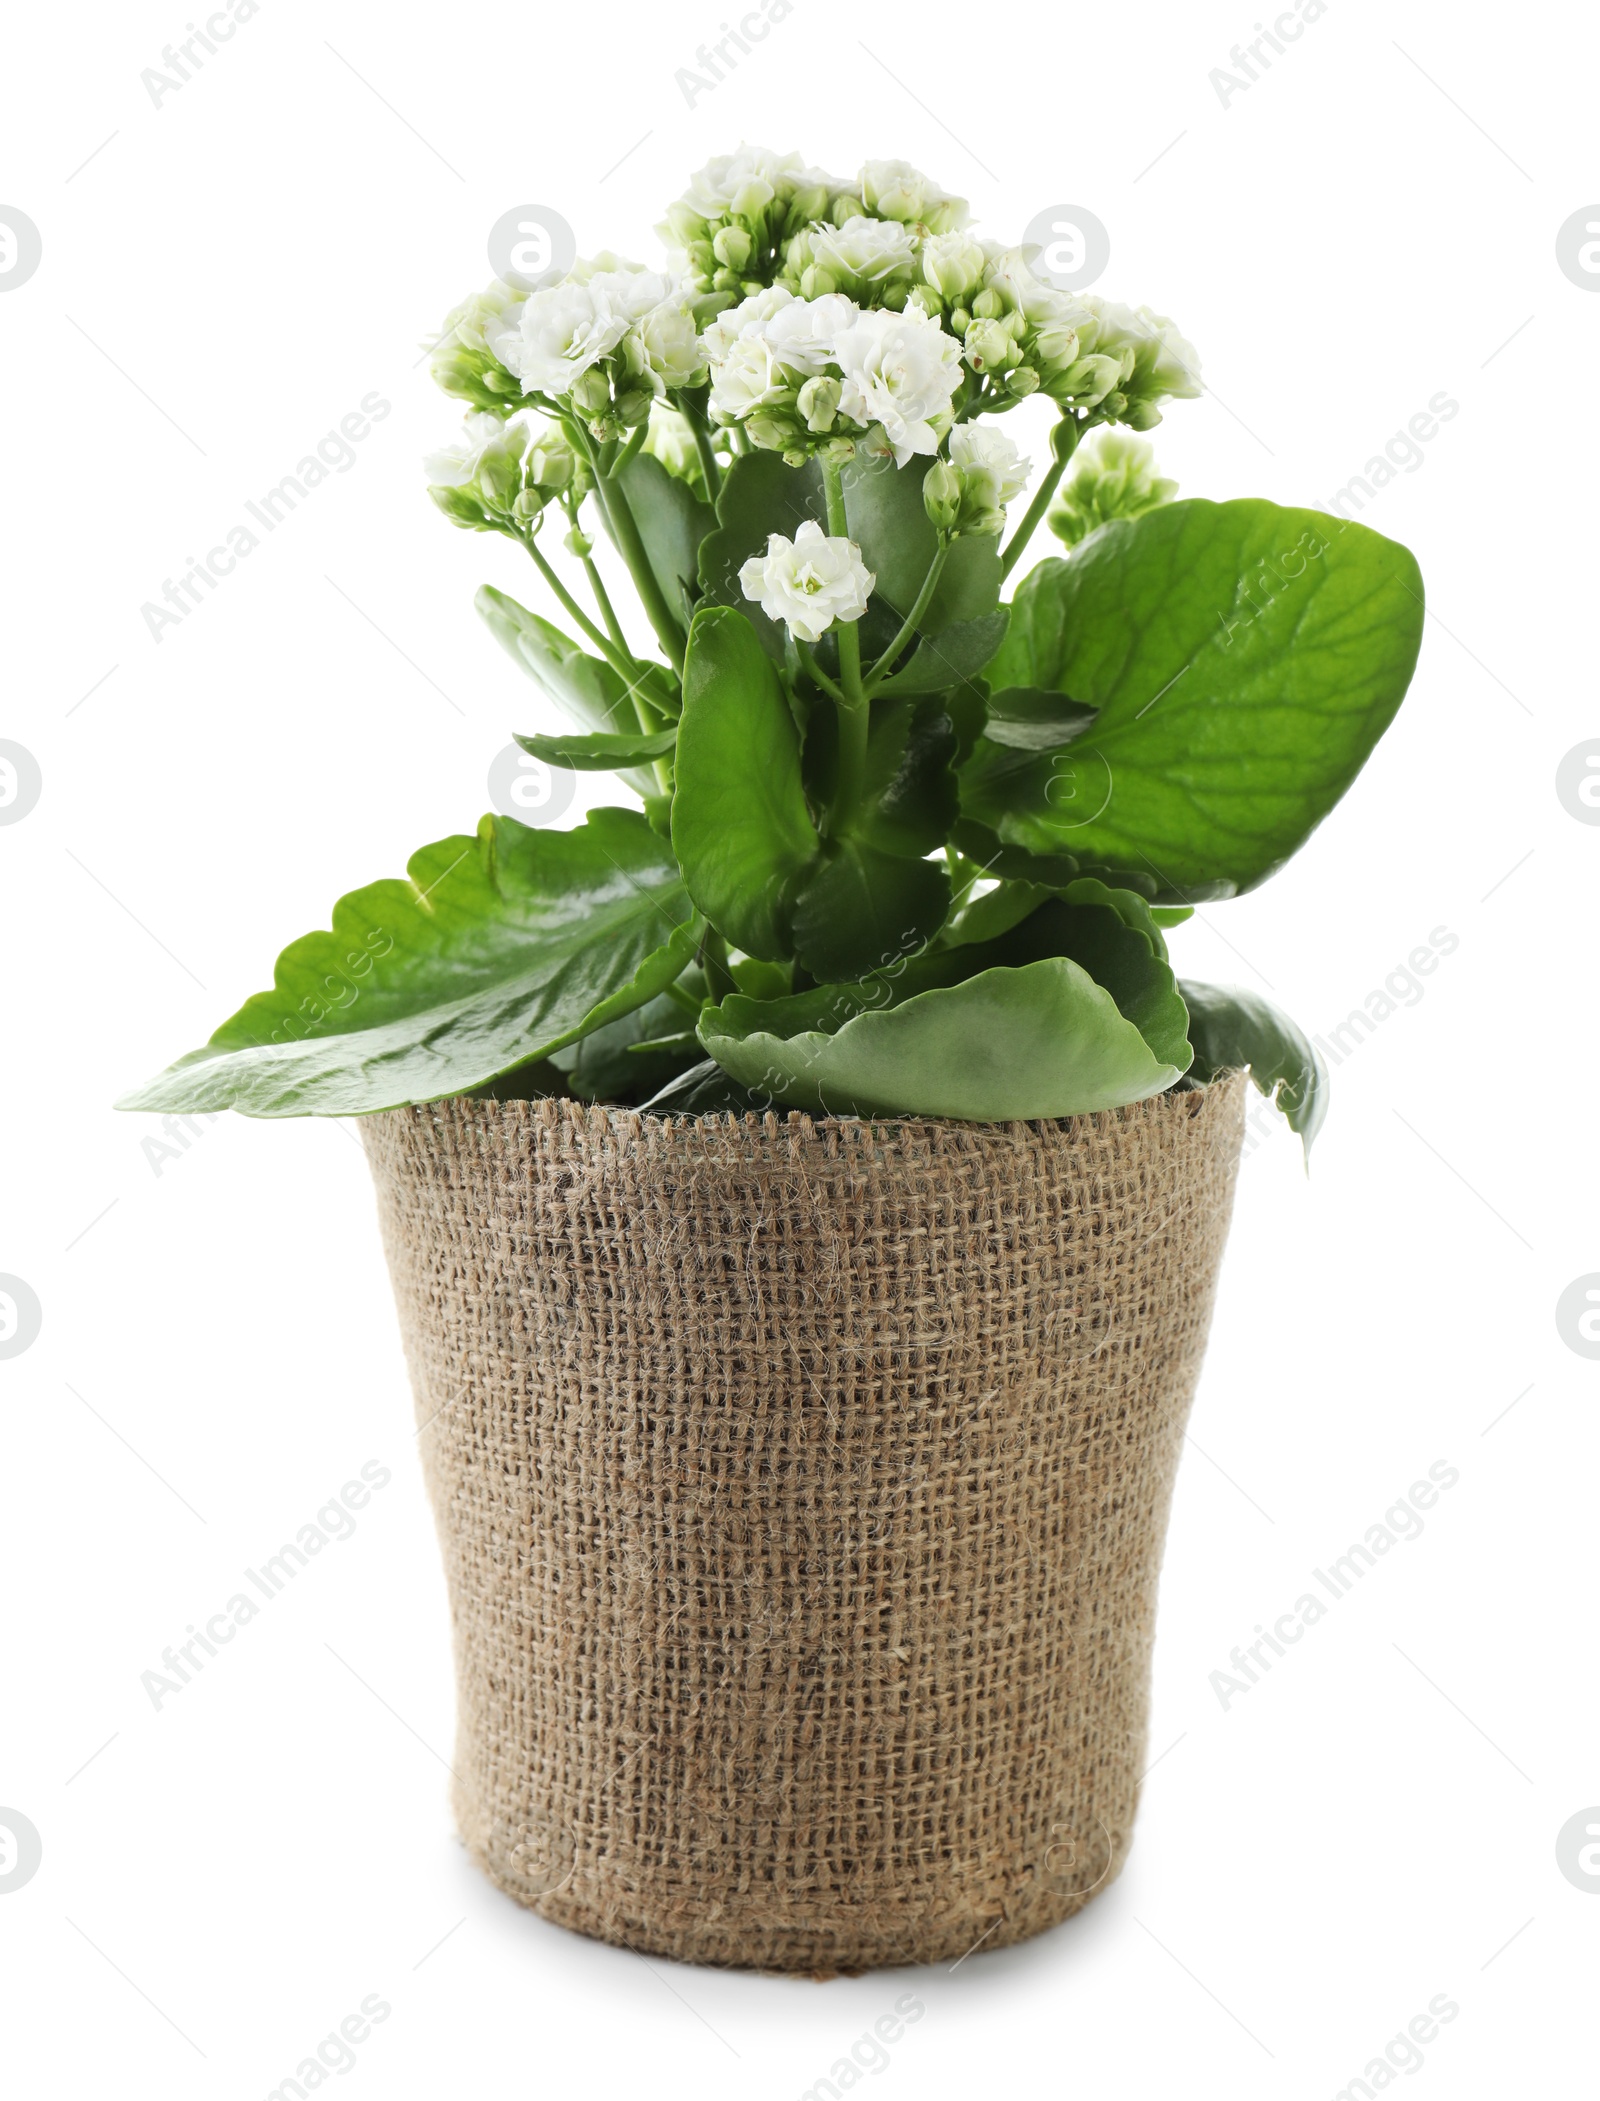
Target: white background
(1372, 222)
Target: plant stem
(702, 441)
(625, 533)
(602, 599)
(909, 626)
(714, 960)
(628, 450)
(854, 716)
(619, 659)
(1063, 446)
(817, 675)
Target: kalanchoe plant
(901, 847)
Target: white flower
(454, 466)
(868, 251)
(565, 328)
(953, 263)
(992, 468)
(900, 370)
(741, 183)
(803, 332)
(808, 582)
(669, 345)
(560, 332)
(749, 378)
(745, 319)
(898, 191)
(1164, 362)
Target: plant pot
(802, 1490)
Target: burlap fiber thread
(802, 1489)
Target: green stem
(709, 464)
(625, 534)
(816, 674)
(602, 599)
(912, 620)
(619, 659)
(854, 716)
(714, 960)
(1063, 443)
(629, 450)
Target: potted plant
(804, 1188)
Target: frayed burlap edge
(802, 1489)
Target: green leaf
(909, 797)
(586, 689)
(1110, 934)
(1243, 661)
(862, 910)
(1040, 1041)
(1032, 718)
(1232, 1028)
(672, 522)
(704, 1090)
(496, 950)
(952, 657)
(600, 754)
(624, 1061)
(740, 824)
(760, 496)
(884, 512)
(993, 913)
(886, 519)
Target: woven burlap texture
(802, 1489)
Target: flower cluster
(968, 493)
(500, 476)
(610, 338)
(1114, 477)
(804, 375)
(810, 315)
(808, 582)
(750, 218)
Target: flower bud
(1022, 382)
(818, 403)
(499, 477)
(591, 392)
(953, 262)
(772, 433)
(845, 208)
(462, 508)
(988, 304)
(989, 347)
(941, 495)
(807, 204)
(731, 247)
(578, 543)
(816, 283)
(960, 319)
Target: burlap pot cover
(802, 1490)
